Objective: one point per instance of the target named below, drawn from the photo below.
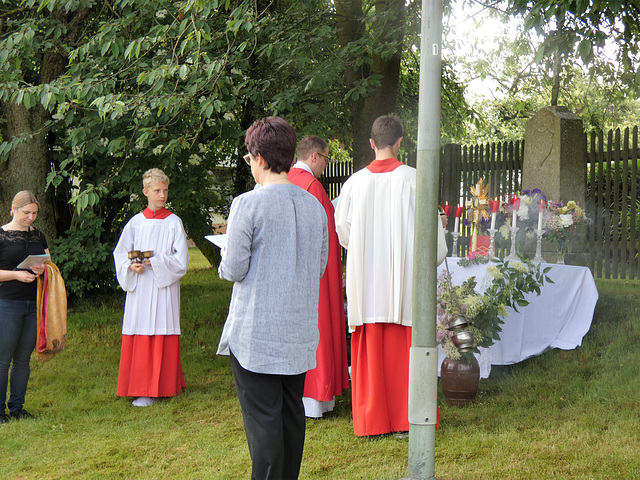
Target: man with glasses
(331, 375)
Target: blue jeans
(17, 342)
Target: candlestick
(492, 234)
(512, 253)
(538, 257)
(454, 249)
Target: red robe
(331, 374)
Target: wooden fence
(613, 203)
(613, 192)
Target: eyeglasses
(247, 158)
(326, 157)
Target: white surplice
(375, 219)
(152, 306)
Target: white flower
(523, 211)
(157, 150)
(229, 116)
(494, 271)
(519, 266)
(194, 159)
(504, 231)
(210, 122)
(104, 141)
(236, 71)
(161, 14)
(566, 219)
(57, 116)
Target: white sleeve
(170, 267)
(127, 278)
(443, 250)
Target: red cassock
(331, 374)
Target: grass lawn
(565, 414)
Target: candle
(458, 214)
(447, 209)
(540, 214)
(493, 220)
(514, 212)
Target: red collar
(158, 214)
(384, 166)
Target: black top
(15, 246)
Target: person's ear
(372, 143)
(262, 163)
(145, 192)
(398, 142)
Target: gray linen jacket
(276, 253)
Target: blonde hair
(154, 175)
(22, 199)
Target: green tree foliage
(521, 67)
(120, 86)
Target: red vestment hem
(150, 366)
(380, 378)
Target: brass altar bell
(137, 256)
(463, 337)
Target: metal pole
(423, 375)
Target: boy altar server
(331, 374)
(375, 223)
(150, 358)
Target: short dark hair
(386, 130)
(309, 145)
(274, 139)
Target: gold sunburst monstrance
(477, 210)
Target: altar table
(558, 318)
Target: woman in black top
(18, 290)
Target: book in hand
(32, 260)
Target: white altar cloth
(559, 317)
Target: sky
(473, 31)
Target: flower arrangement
(506, 286)
(563, 220)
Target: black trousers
(274, 421)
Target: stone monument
(555, 161)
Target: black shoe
(4, 418)
(20, 414)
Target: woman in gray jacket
(276, 254)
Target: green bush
(84, 259)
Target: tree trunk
(388, 28)
(28, 165)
